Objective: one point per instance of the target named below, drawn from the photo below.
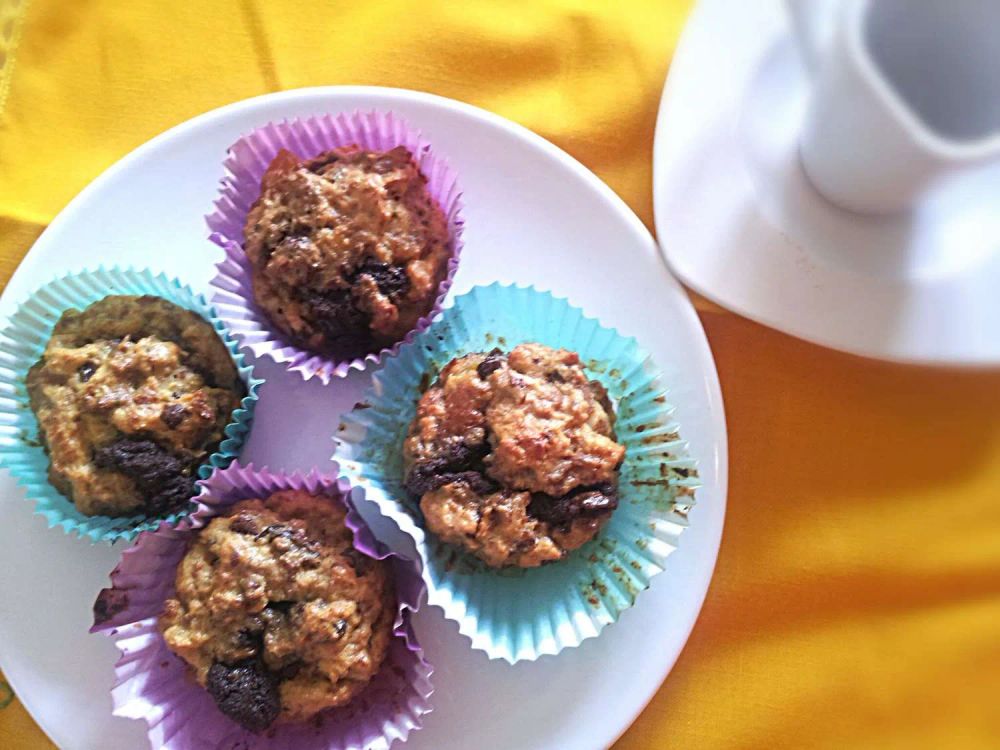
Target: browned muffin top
(132, 394)
(276, 612)
(514, 456)
(348, 249)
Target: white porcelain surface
(739, 221)
(534, 215)
(903, 93)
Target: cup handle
(812, 26)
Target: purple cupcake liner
(246, 163)
(153, 684)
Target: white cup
(903, 93)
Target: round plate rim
(13, 292)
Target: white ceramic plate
(533, 215)
(739, 221)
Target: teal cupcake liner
(22, 343)
(522, 614)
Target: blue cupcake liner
(22, 343)
(517, 614)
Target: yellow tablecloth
(857, 597)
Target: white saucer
(739, 222)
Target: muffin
(131, 395)
(347, 249)
(513, 456)
(276, 613)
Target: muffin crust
(131, 395)
(276, 612)
(513, 457)
(348, 249)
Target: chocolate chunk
(459, 463)
(161, 478)
(423, 478)
(477, 481)
(274, 617)
(553, 376)
(358, 560)
(493, 362)
(392, 281)
(246, 692)
(86, 371)
(295, 242)
(345, 327)
(289, 671)
(598, 501)
(245, 523)
(335, 312)
(319, 164)
(295, 537)
(337, 316)
(340, 628)
(110, 602)
(587, 501)
(385, 164)
(275, 530)
(172, 415)
(462, 456)
(284, 607)
(250, 640)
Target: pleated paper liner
(154, 685)
(22, 343)
(516, 614)
(246, 163)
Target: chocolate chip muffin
(513, 457)
(347, 249)
(132, 395)
(276, 613)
